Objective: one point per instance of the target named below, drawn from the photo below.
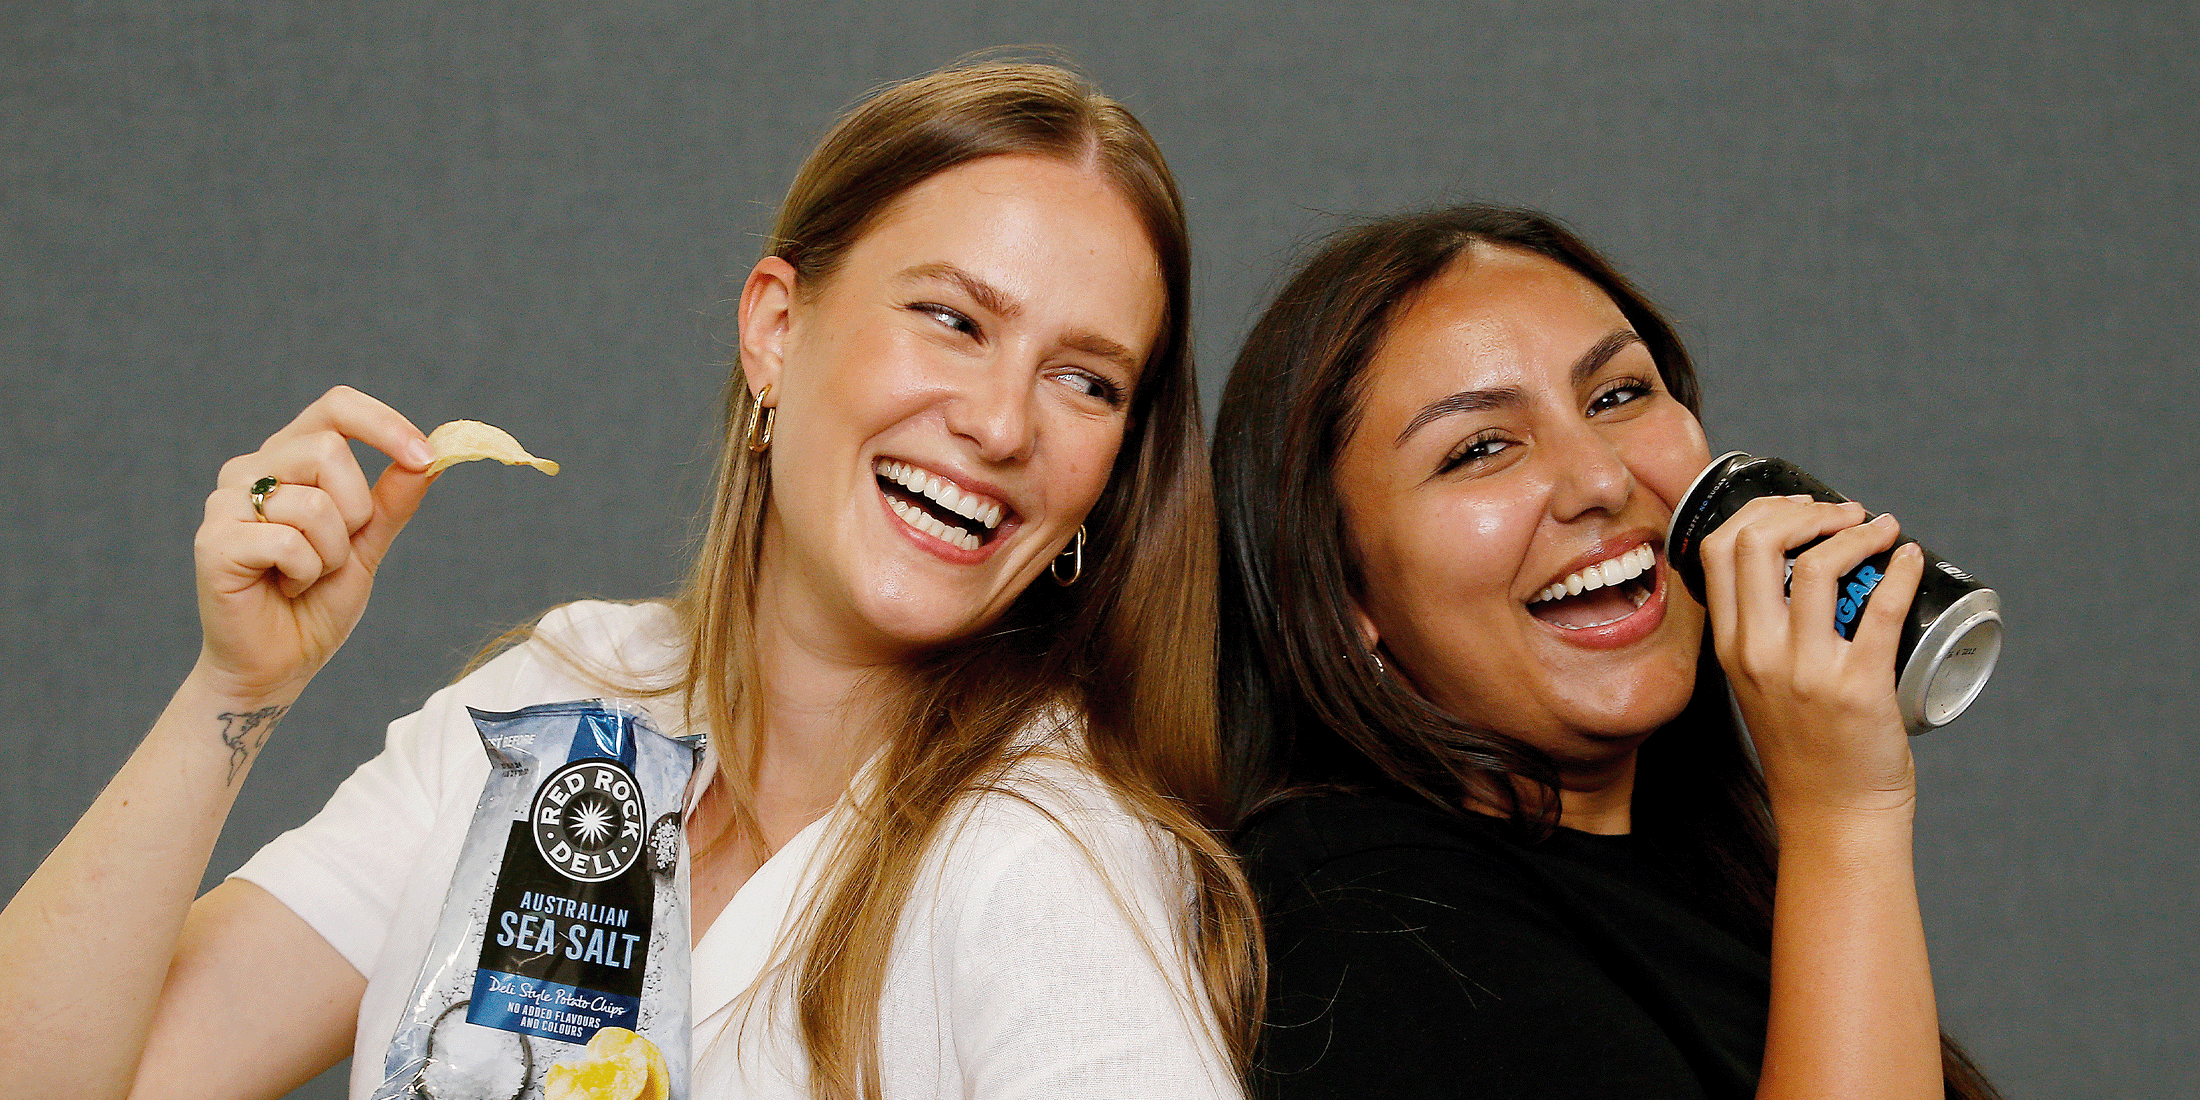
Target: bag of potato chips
(559, 970)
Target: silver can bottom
(1951, 663)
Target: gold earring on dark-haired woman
(1076, 555)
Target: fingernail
(1885, 519)
(419, 452)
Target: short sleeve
(1062, 966)
(393, 827)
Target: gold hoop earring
(761, 422)
(1076, 554)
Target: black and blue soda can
(1953, 636)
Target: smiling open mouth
(938, 507)
(1601, 594)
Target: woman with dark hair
(954, 836)
(1509, 838)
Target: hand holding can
(1953, 634)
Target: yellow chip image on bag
(617, 1064)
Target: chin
(915, 627)
(916, 635)
(1635, 723)
(1625, 711)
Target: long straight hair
(1130, 648)
(1307, 710)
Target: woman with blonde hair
(952, 836)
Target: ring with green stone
(261, 490)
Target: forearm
(1852, 1011)
(85, 945)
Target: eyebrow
(1468, 401)
(992, 298)
(1094, 344)
(1001, 304)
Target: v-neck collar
(740, 943)
(743, 941)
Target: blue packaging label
(552, 1010)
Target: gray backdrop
(1941, 254)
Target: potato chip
(617, 1064)
(659, 1085)
(468, 440)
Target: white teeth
(1603, 574)
(946, 494)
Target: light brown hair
(1130, 647)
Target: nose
(1591, 475)
(992, 407)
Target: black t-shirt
(1418, 953)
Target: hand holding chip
(285, 566)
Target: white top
(1037, 956)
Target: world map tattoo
(245, 733)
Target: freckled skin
(866, 367)
(1451, 558)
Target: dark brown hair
(1314, 708)
(1305, 706)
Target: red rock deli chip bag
(560, 968)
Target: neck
(825, 709)
(1591, 798)
(1599, 798)
(822, 717)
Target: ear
(766, 321)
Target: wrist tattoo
(245, 733)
